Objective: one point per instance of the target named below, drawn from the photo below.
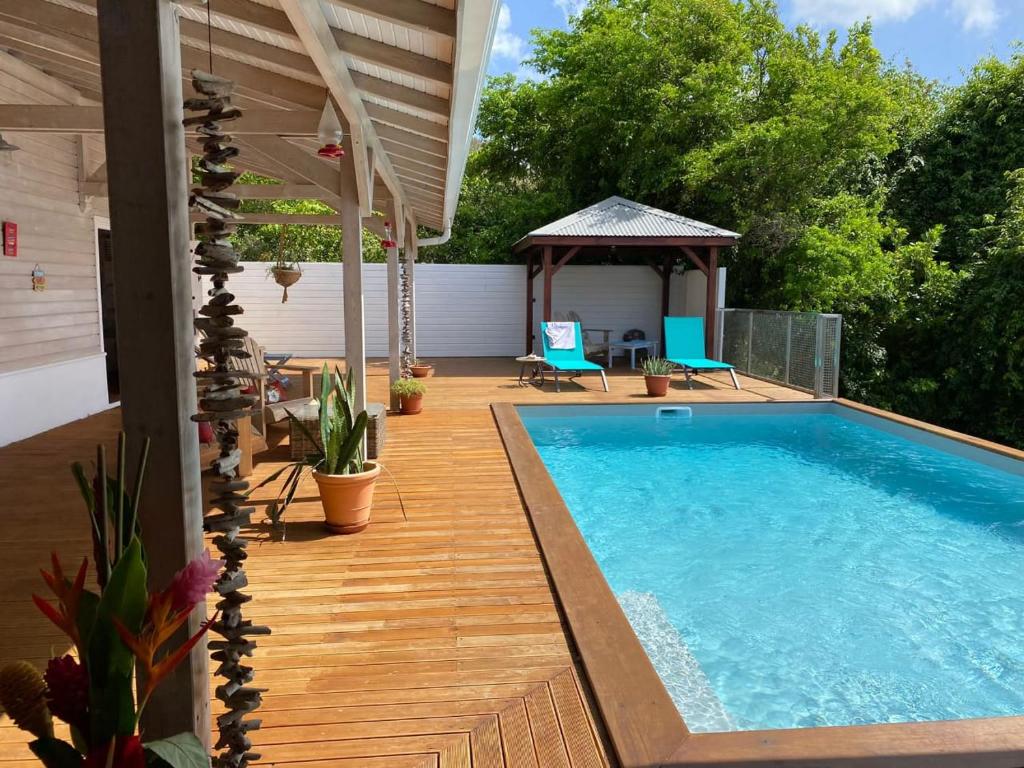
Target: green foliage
(657, 366)
(338, 442)
(958, 176)
(408, 387)
(299, 242)
(859, 187)
(181, 751)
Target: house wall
(51, 358)
(462, 310)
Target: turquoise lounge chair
(684, 346)
(572, 360)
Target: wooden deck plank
(431, 639)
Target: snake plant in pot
(345, 479)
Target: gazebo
(656, 237)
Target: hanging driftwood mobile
(222, 404)
(406, 357)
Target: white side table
(536, 373)
(632, 347)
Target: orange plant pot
(657, 386)
(348, 499)
(410, 405)
(421, 371)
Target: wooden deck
(431, 639)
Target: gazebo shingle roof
(619, 217)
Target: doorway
(108, 311)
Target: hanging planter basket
(286, 273)
(285, 276)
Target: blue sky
(942, 38)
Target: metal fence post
(789, 342)
(835, 354)
(819, 356)
(750, 339)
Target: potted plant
(346, 481)
(657, 375)
(421, 370)
(410, 395)
(114, 630)
(285, 273)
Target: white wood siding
(39, 192)
(463, 310)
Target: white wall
(462, 310)
(48, 396)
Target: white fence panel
(462, 310)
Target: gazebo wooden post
(711, 313)
(666, 284)
(530, 275)
(548, 274)
(142, 108)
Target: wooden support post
(711, 313)
(145, 143)
(548, 274)
(352, 276)
(394, 317)
(530, 274)
(666, 284)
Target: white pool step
(684, 680)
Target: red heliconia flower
(190, 585)
(127, 753)
(67, 690)
(65, 614)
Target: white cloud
(507, 44)
(571, 7)
(980, 15)
(849, 11)
(974, 15)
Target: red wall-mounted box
(10, 239)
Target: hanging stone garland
(406, 356)
(223, 402)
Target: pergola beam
(413, 140)
(47, 118)
(418, 15)
(275, 150)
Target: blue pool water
(789, 568)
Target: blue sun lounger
(684, 346)
(571, 360)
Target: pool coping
(643, 724)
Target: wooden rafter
(413, 140)
(393, 57)
(47, 118)
(380, 114)
(418, 15)
(402, 94)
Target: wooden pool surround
(642, 722)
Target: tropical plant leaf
(55, 753)
(181, 751)
(110, 662)
(305, 430)
(352, 446)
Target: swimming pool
(801, 565)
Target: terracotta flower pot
(410, 405)
(657, 386)
(347, 499)
(421, 371)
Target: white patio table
(632, 346)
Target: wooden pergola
(655, 237)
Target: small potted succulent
(346, 481)
(410, 395)
(657, 375)
(421, 370)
